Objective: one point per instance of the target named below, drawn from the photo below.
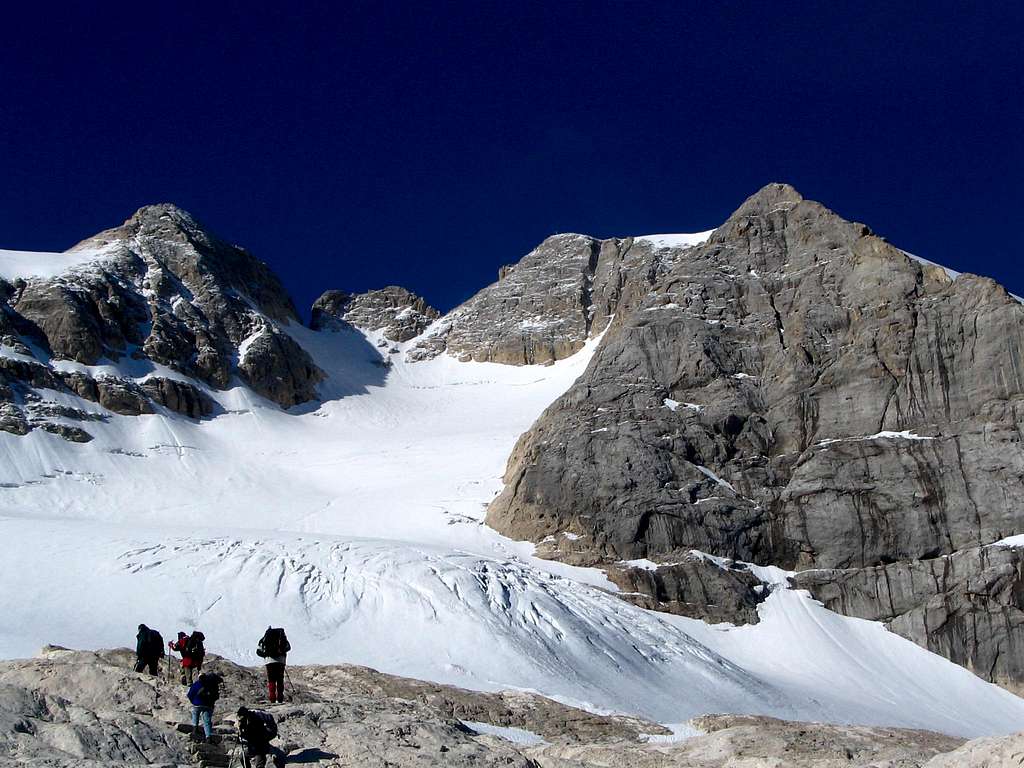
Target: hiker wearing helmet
(256, 729)
(192, 654)
(274, 647)
(149, 649)
(203, 695)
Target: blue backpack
(205, 691)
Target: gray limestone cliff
(794, 391)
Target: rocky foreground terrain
(79, 708)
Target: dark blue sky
(352, 145)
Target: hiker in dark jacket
(274, 647)
(192, 654)
(256, 729)
(203, 695)
(149, 649)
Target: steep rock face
(968, 606)
(766, 401)
(546, 307)
(399, 314)
(162, 288)
(794, 391)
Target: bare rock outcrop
(546, 307)
(760, 742)
(692, 586)
(990, 752)
(12, 420)
(397, 313)
(179, 396)
(73, 708)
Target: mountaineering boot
(272, 691)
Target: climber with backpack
(256, 729)
(149, 649)
(274, 647)
(192, 654)
(203, 695)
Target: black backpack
(205, 691)
(193, 646)
(155, 644)
(273, 643)
(266, 721)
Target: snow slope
(357, 525)
(30, 264)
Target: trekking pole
(289, 679)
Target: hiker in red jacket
(192, 654)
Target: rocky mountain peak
(165, 221)
(169, 291)
(797, 392)
(768, 197)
